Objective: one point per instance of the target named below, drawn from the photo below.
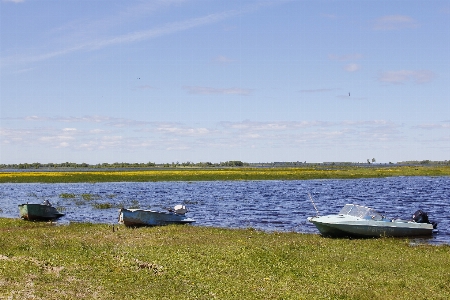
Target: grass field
(222, 174)
(86, 261)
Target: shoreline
(77, 176)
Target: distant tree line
(122, 165)
(189, 164)
(425, 162)
(37, 165)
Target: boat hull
(38, 212)
(139, 217)
(367, 228)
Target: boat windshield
(361, 212)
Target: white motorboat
(360, 221)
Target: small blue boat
(141, 217)
(360, 221)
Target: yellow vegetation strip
(221, 174)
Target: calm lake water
(265, 205)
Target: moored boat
(360, 221)
(39, 212)
(141, 217)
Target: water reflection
(265, 205)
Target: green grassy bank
(322, 172)
(86, 261)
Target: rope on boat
(310, 197)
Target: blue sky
(256, 81)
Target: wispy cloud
(97, 43)
(13, 135)
(329, 16)
(146, 87)
(200, 90)
(272, 126)
(349, 67)
(222, 59)
(351, 98)
(402, 76)
(394, 22)
(173, 129)
(326, 134)
(132, 37)
(14, 1)
(345, 57)
(318, 90)
(87, 119)
(82, 29)
(90, 136)
(160, 31)
(430, 126)
(22, 71)
(110, 121)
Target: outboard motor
(422, 217)
(179, 209)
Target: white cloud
(182, 131)
(288, 134)
(394, 22)
(14, 1)
(55, 138)
(33, 118)
(14, 136)
(96, 131)
(112, 138)
(271, 126)
(70, 129)
(179, 147)
(200, 90)
(402, 76)
(160, 136)
(352, 67)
